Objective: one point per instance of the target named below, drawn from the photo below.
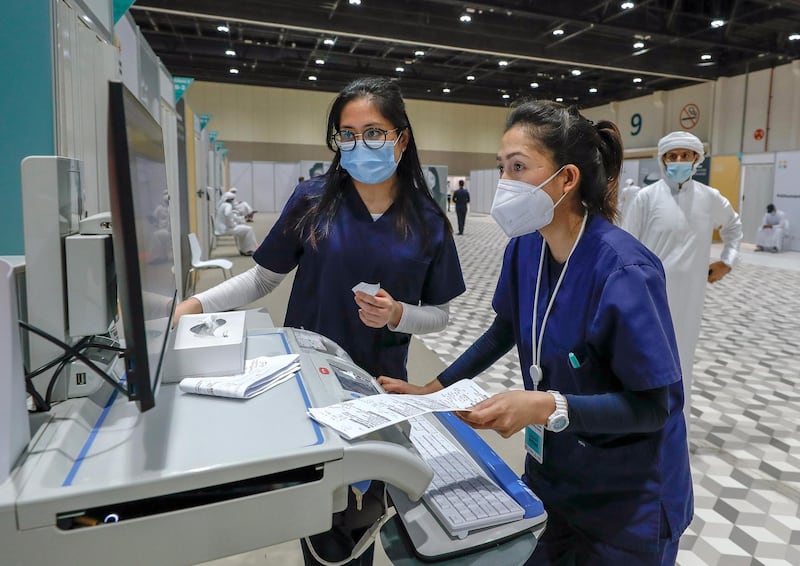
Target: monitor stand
(14, 424)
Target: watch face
(558, 423)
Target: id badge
(534, 441)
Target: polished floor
(746, 401)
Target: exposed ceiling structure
(488, 53)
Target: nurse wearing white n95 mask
(586, 306)
(676, 217)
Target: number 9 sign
(636, 124)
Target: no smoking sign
(690, 116)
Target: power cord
(74, 353)
(366, 540)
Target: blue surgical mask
(680, 171)
(370, 166)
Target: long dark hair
(386, 96)
(596, 149)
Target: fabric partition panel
(263, 186)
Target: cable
(48, 396)
(41, 405)
(366, 540)
(76, 354)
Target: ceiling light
(223, 28)
(320, 61)
(502, 63)
(638, 45)
(559, 99)
(399, 69)
(794, 37)
(558, 32)
(576, 72)
(627, 5)
(506, 96)
(234, 71)
(329, 41)
(230, 53)
(312, 77)
(465, 18)
(419, 53)
(470, 77)
(593, 90)
(637, 79)
(705, 57)
(355, 2)
(534, 85)
(718, 23)
(446, 90)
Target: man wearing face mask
(676, 217)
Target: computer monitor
(142, 240)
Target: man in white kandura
(228, 221)
(770, 233)
(675, 217)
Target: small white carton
(208, 344)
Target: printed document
(361, 416)
(260, 374)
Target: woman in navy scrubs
(602, 405)
(371, 219)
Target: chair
(199, 264)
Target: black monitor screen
(142, 240)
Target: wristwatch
(559, 420)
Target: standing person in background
(228, 221)
(461, 200)
(676, 218)
(770, 234)
(586, 306)
(371, 218)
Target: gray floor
(746, 395)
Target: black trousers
(461, 213)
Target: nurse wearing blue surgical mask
(675, 218)
(585, 304)
(370, 218)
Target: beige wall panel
(728, 115)
(270, 115)
(756, 111)
(784, 111)
(690, 109)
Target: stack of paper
(361, 416)
(259, 375)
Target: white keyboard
(461, 495)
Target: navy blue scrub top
(358, 248)
(612, 313)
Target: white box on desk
(207, 344)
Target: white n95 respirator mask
(521, 208)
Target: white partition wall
(482, 186)
(241, 177)
(264, 181)
(284, 182)
(755, 190)
(786, 196)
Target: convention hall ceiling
(488, 53)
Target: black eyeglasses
(373, 138)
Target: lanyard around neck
(536, 370)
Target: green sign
(120, 7)
(181, 84)
(204, 119)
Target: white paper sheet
(260, 374)
(361, 416)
